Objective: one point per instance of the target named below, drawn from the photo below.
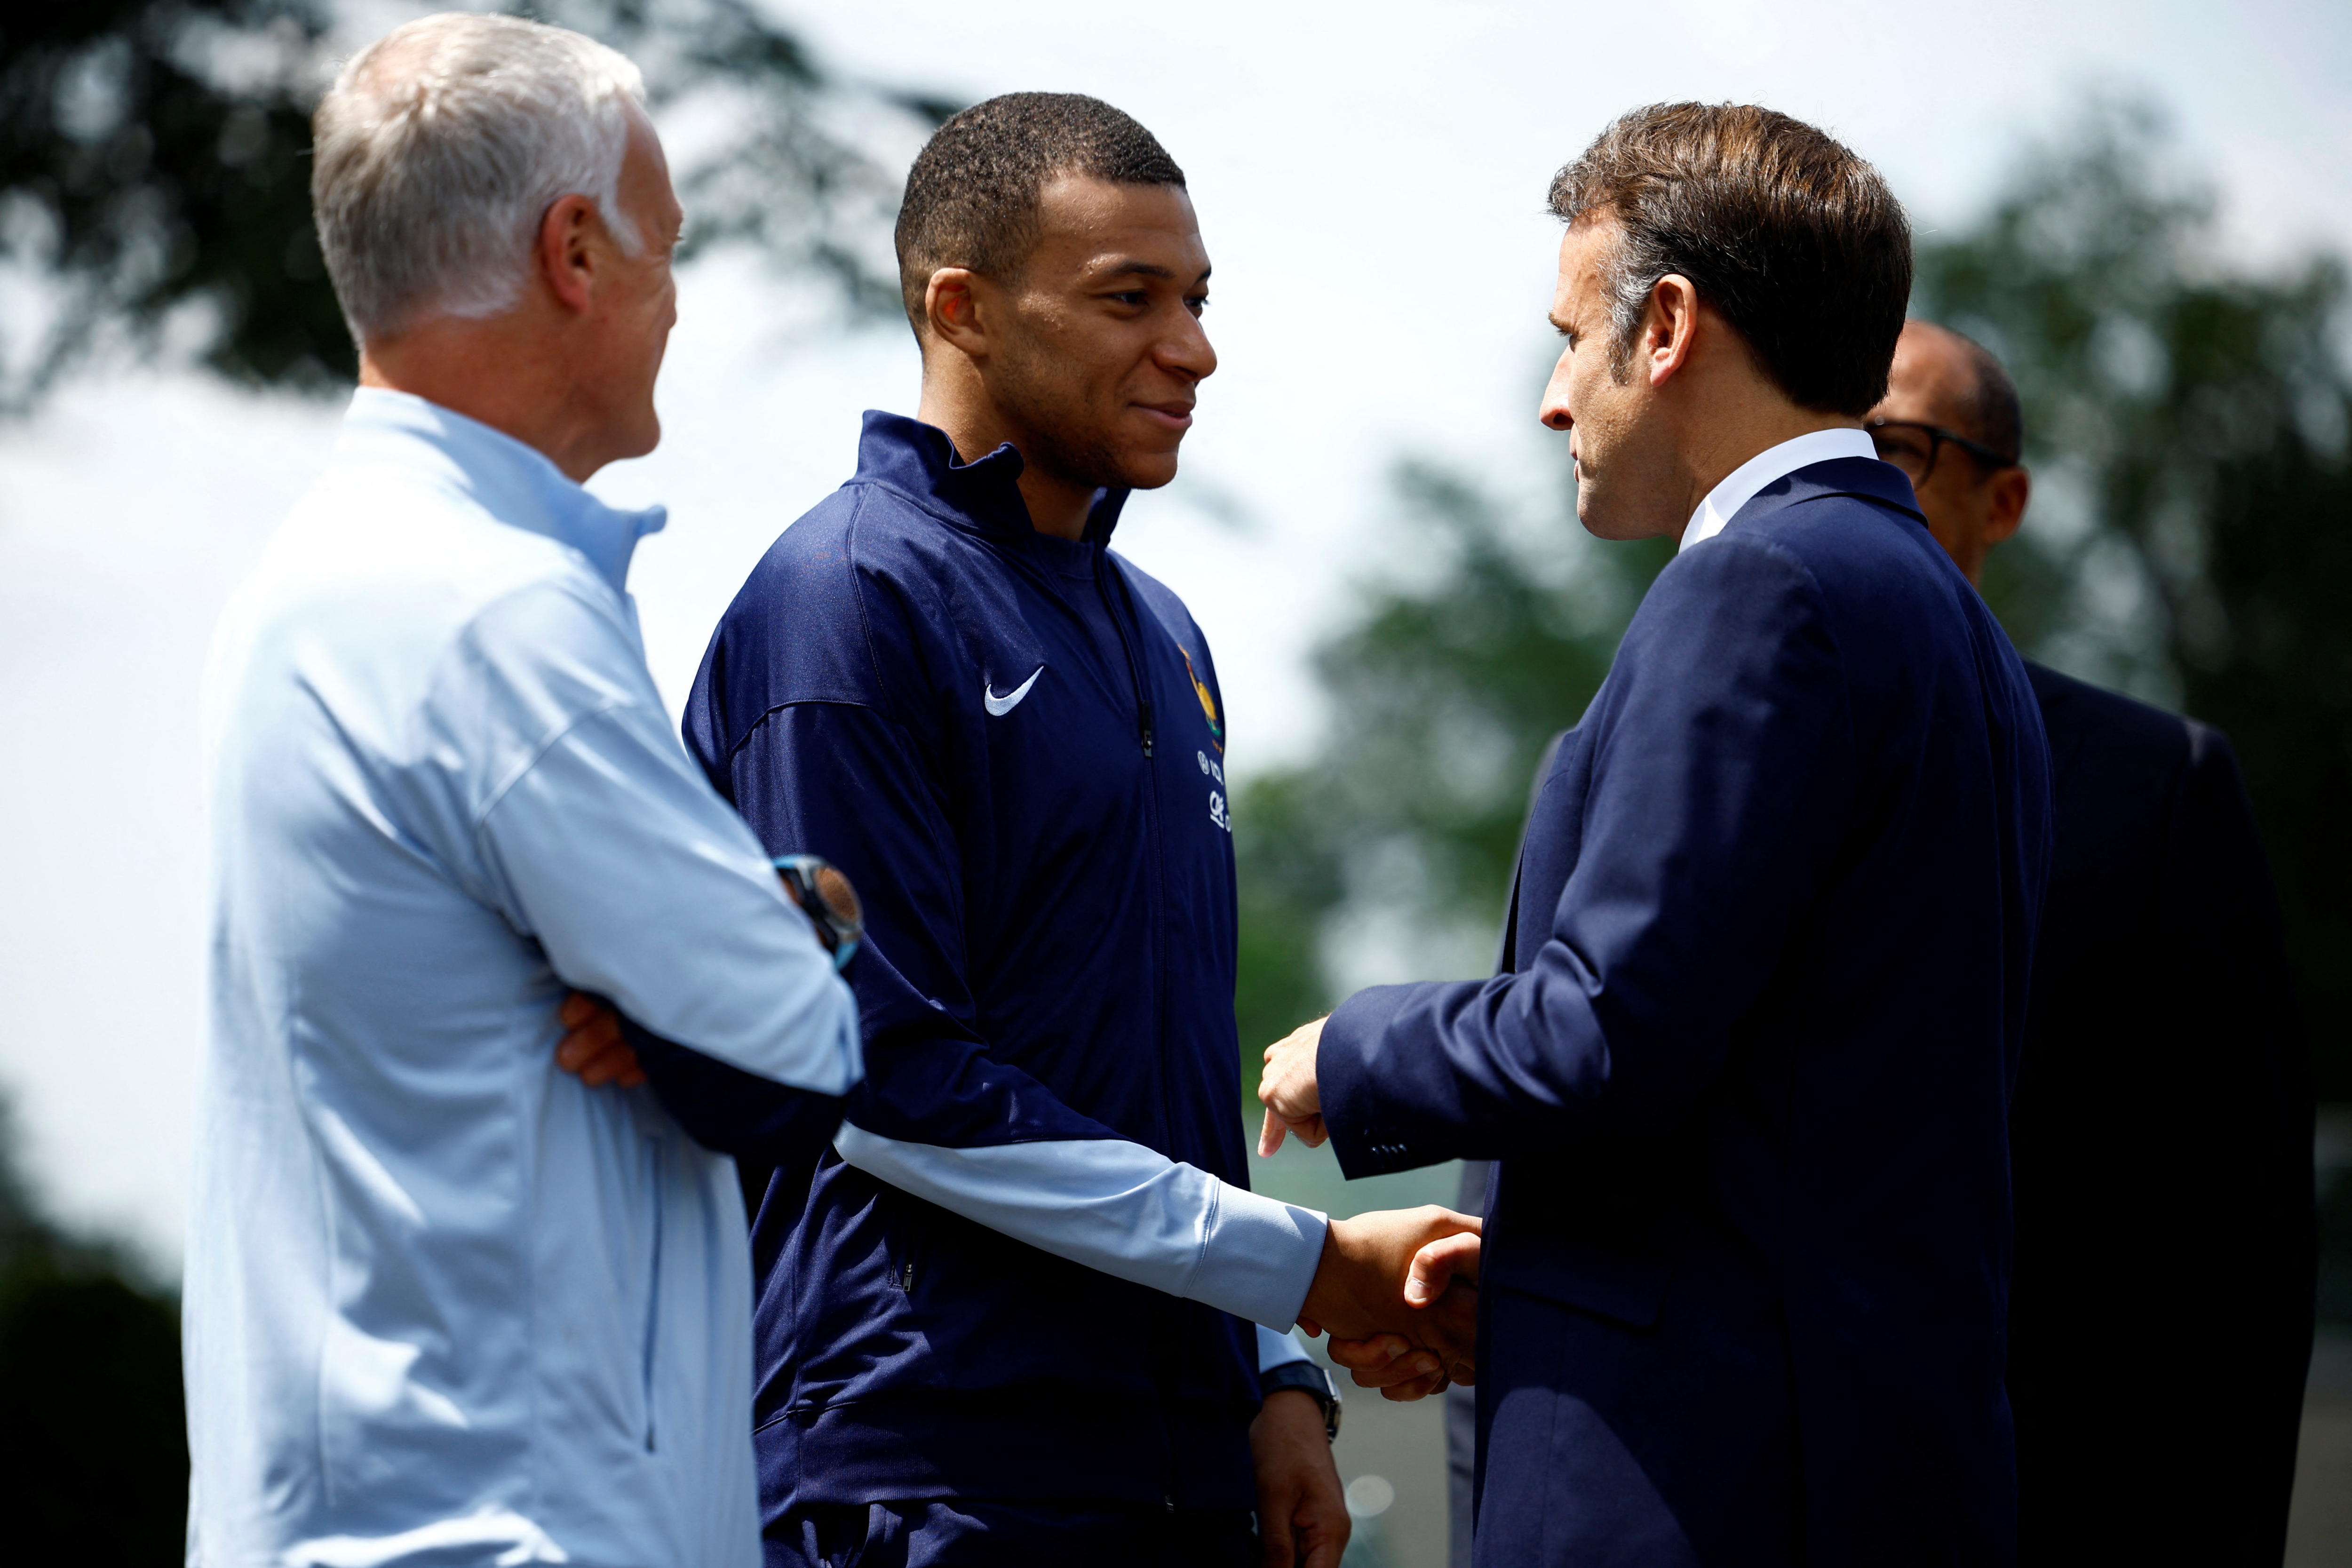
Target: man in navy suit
(2160, 1324)
(1747, 1066)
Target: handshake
(1397, 1290)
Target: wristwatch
(824, 895)
(1309, 1378)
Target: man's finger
(1270, 1138)
(1419, 1388)
(1435, 1265)
(1275, 1547)
(1420, 1366)
(1378, 1351)
(1386, 1361)
(584, 1045)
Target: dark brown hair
(971, 197)
(1795, 241)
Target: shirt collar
(985, 493)
(1739, 486)
(515, 483)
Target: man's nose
(1553, 409)
(1187, 352)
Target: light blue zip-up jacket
(444, 1304)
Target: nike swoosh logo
(998, 707)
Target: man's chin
(1603, 521)
(1147, 473)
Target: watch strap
(1307, 1378)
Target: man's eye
(1135, 297)
(1196, 303)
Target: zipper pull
(1146, 705)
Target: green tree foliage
(2186, 418)
(1444, 691)
(93, 1441)
(154, 157)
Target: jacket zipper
(1122, 609)
(1134, 669)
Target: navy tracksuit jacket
(1013, 746)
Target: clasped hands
(1397, 1290)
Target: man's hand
(1399, 1369)
(592, 1048)
(1302, 1512)
(1288, 1091)
(1365, 1287)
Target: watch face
(825, 895)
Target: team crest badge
(1208, 702)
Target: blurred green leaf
(2187, 417)
(154, 170)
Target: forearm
(1119, 1208)
(725, 1109)
(1411, 1076)
(645, 889)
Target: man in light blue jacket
(447, 1303)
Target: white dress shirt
(1739, 486)
(444, 1302)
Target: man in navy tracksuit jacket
(1027, 1311)
(1012, 745)
(1745, 1067)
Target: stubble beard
(1055, 438)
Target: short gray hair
(439, 150)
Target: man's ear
(567, 251)
(2011, 487)
(951, 307)
(1669, 327)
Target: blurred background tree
(154, 171)
(1392, 851)
(92, 1443)
(2190, 538)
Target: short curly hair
(1794, 238)
(971, 197)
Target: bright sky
(1370, 179)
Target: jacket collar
(514, 483)
(1866, 477)
(984, 495)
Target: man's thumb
(1435, 1265)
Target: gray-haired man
(447, 1303)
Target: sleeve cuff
(1259, 1257)
(1274, 1349)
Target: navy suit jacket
(2161, 1321)
(1747, 1068)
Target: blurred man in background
(1011, 1320)
(2161, 1314)
(1747, 1064)
(445, 1303)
